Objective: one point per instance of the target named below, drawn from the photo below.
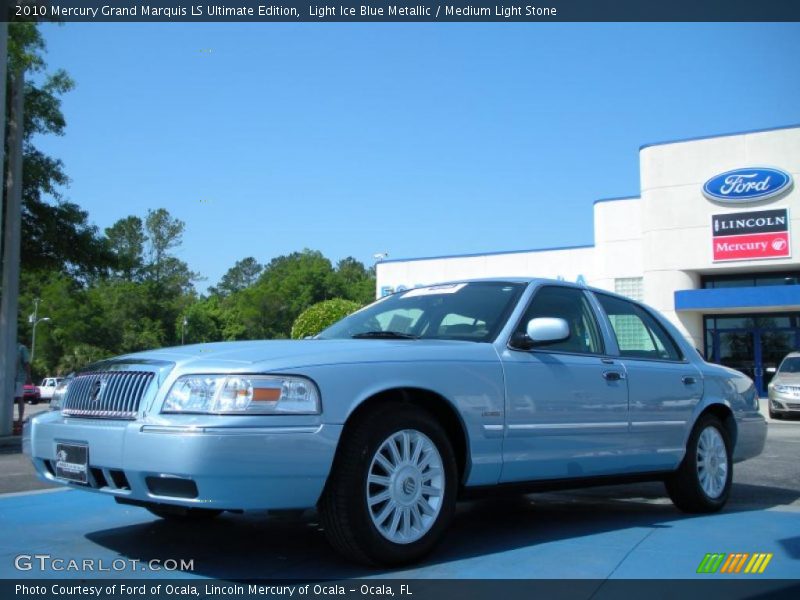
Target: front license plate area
(72, 462)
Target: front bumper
(232, 467)
(784, 403)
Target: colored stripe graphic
(741, 562)
(711, 563)
(735, 562)
(767, 558)
(727, 567)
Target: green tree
(353, 281)
(126, 240)
(321, 315)
(164, 232)
(240, 276)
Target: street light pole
(12, 224)
(34, 318)
(183, 328)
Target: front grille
(106, 394)
(792, 405)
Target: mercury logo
(778, 244)
(96, 390)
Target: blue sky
(419, 140)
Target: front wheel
(702, 482)
(391, 493)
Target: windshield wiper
(388, 335)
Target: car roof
(527, 281)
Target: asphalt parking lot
(619, 532)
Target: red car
(31, 394)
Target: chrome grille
(106, 394)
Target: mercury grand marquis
(385, 418)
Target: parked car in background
(48, 386)
(387, 417)
(30, 394)
(784, 389)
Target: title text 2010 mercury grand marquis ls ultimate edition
(384, 418)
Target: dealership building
(711, 242)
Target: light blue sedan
(387, 417)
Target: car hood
(787, 378)
(257, 356)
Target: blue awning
(778, 297)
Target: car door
(566, 403)
(664, 388)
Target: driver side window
(571, 305)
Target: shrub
(321, 315)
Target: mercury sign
(751, 235)
(747, 185)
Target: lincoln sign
(751, 235)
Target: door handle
(613, 375)
(689, 380)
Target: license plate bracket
(72, 462)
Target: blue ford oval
(747, 185)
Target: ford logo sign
(747, 185)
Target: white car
(48, 387)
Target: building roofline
(620, 199)
(708, 137)
(476, 254)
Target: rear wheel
(391, 493)
(702, 483)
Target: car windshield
(473, 311)
(790, 365)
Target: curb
(11, 441)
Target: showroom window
(630, 287)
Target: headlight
(59, 394)
(781, 389)
(242, 394)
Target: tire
(178, 513)
(375, 509)
(702, 482)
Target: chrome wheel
(712, 462)
(405, 486)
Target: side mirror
(547, 329)
(543, 330)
